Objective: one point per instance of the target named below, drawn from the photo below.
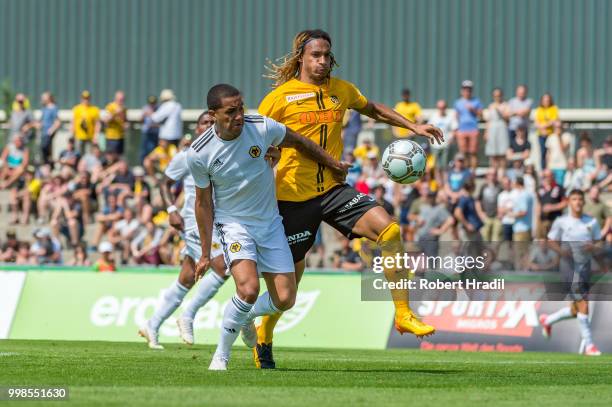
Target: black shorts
(114, 146)
(340, 207)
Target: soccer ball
(404, 161)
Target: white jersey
(179, 170)
(571, 231)
(243, 182)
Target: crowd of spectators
(86, 199)
(515, 198)
(88, 185)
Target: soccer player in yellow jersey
(311, 102)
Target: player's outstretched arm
(316, 153)
(174, 218)
(383, 113)
(204, 218)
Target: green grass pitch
(129, 374)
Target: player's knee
(187, 281)
(285, 300)
(285, 303)
(248, 292)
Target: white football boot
(151, 337)
(218, 362)
(185, 326)
(248, 333)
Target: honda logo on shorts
(299, 237)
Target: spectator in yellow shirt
(546, 116)
(28, 193)
(160, 157)
(115, 118)
(85, 124)
(361, 152)
(410, 110)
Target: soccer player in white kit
(185, 223)
(229, 158)
(573, 237)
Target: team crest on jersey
(235, 247)
(335, 100)
(255, 151)
(299, 96)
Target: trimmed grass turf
(122, 374)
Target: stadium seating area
(68, 192)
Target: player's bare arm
(317, 153)
(174, 217)
(204, 217)
(385, 114)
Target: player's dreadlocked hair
(288, 67)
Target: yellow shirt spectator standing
(546, 116)
(115, 118)
(410, 110)
(85, 123)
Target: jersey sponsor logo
(235, 247)
(299, 237)
(215, 166)
(354, 201)
(255, 151)
(324, 116)
(299, 96)
(335, 99)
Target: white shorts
(267, 247)
(193, 245)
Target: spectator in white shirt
(168, 117)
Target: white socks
(263, 306)
(563, 313)
(172, 299)
(585, 328)
(234, 317)
(206, 289)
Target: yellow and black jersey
(315, 112)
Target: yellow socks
(390, 243)
(265, 331)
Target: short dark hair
(218, 92)
(576, 192)
(519, 180)
(405, 91)
(201, 116)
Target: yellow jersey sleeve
(356, 99)
(270, 108)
